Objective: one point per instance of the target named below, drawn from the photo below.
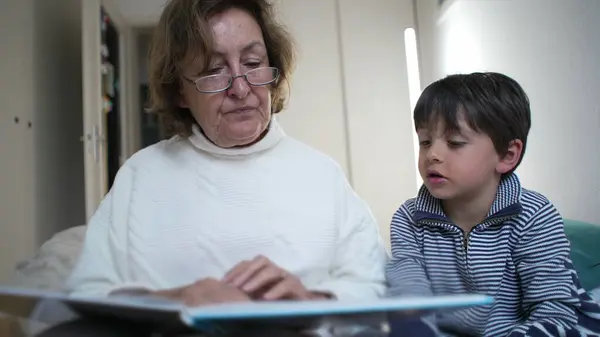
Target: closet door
(18, 179)
(94, 127)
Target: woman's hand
(206, 291)
(263, 279)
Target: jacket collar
(507, 204)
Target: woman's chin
(244, 135)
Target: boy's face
(461, 164)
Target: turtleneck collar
(272, 138)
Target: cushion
(52, 265)
(595, 294)
(585, 251)
(49, 270)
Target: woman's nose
(239, 87)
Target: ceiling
(139, 13)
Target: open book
(158, 311)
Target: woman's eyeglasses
(218, 83)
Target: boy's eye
(424, 143)
(454, 143)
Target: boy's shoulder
(537, 216)
(409, 207)
(534, 203)
(409, 204)
(405, 214)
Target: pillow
(595, 294)
(52, 265)
(49, 270)
(585, 251)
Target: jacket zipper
(466, 236)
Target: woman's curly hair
(184, 28)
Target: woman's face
(239, 115)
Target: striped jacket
(519, 254)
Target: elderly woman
(230, 208)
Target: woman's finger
(287, 288)
(263, 278)
(249, 270)
(234, 272)
(209, 291)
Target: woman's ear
(511, 158)
(182, 101)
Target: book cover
(297, 314)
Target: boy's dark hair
(490, 103)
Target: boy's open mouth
(435, 175)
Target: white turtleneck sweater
(184, 209)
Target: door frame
(128, 75)
(94, 130)
(95, 163)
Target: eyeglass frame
(231, 79)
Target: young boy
(473, 229)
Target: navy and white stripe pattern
(520, 255)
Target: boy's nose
(434, 154)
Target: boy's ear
(511, 157)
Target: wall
(377, 103)
(551, 47)
(349, 94)
(41, 172)
(315, 113)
